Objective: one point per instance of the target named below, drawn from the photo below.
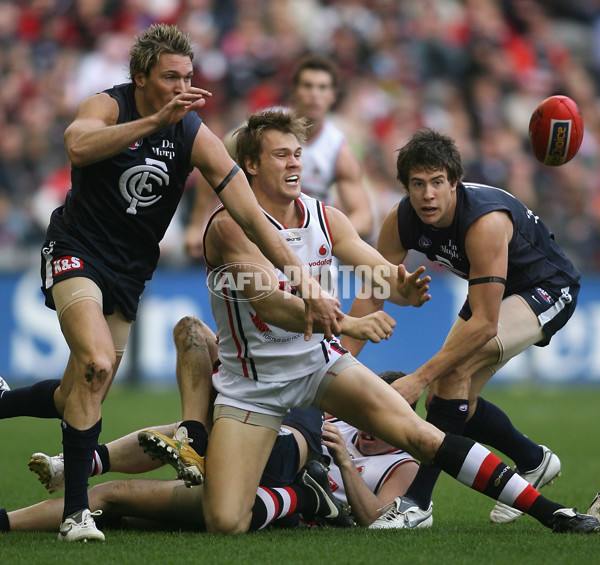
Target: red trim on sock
(524, 501)
(485, 471)
(293, 499)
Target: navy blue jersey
(119, 208)
(534, 258)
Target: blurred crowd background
(474, 69)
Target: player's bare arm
(205, 201)
(94, 135)
(487, 248)
(351, 191)
(388, 241)
(364, 503)
(392, 281)
(226, 244)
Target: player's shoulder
(220, 219)
(333, 134)
(332, 127)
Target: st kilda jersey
(533, 255)
(247, 345)
(119, 208)
(319, 158)
(374, 470)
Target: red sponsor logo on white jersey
(319, 263)
(67, 263)
(333, 485)
(260, 325)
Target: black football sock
(275, 503)
(36, 401)
(196, 431)
(78, 449)
(478, 468)
(449, 416)
(4, 521)
(491, 426)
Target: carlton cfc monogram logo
(138, 184)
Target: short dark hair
(429, 150)
(153, 42)
(391, 376)
(316, 63)
(248, 138)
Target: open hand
(412, 287)
(191, 99)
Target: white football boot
(80, 526)
(403, 513)
(541, 476)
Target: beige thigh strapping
(518, 329)
(73, 290)
(247, 417)
(345, 361)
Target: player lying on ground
(169, 504)
(384, 473)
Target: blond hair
(152, 43)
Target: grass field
(568, 420)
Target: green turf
(568, 420)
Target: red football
(556, 130)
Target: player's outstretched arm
(384, 279)
(487, 248)
(254, 275)
(94, 134)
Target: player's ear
(251, 167)
(139, 80)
